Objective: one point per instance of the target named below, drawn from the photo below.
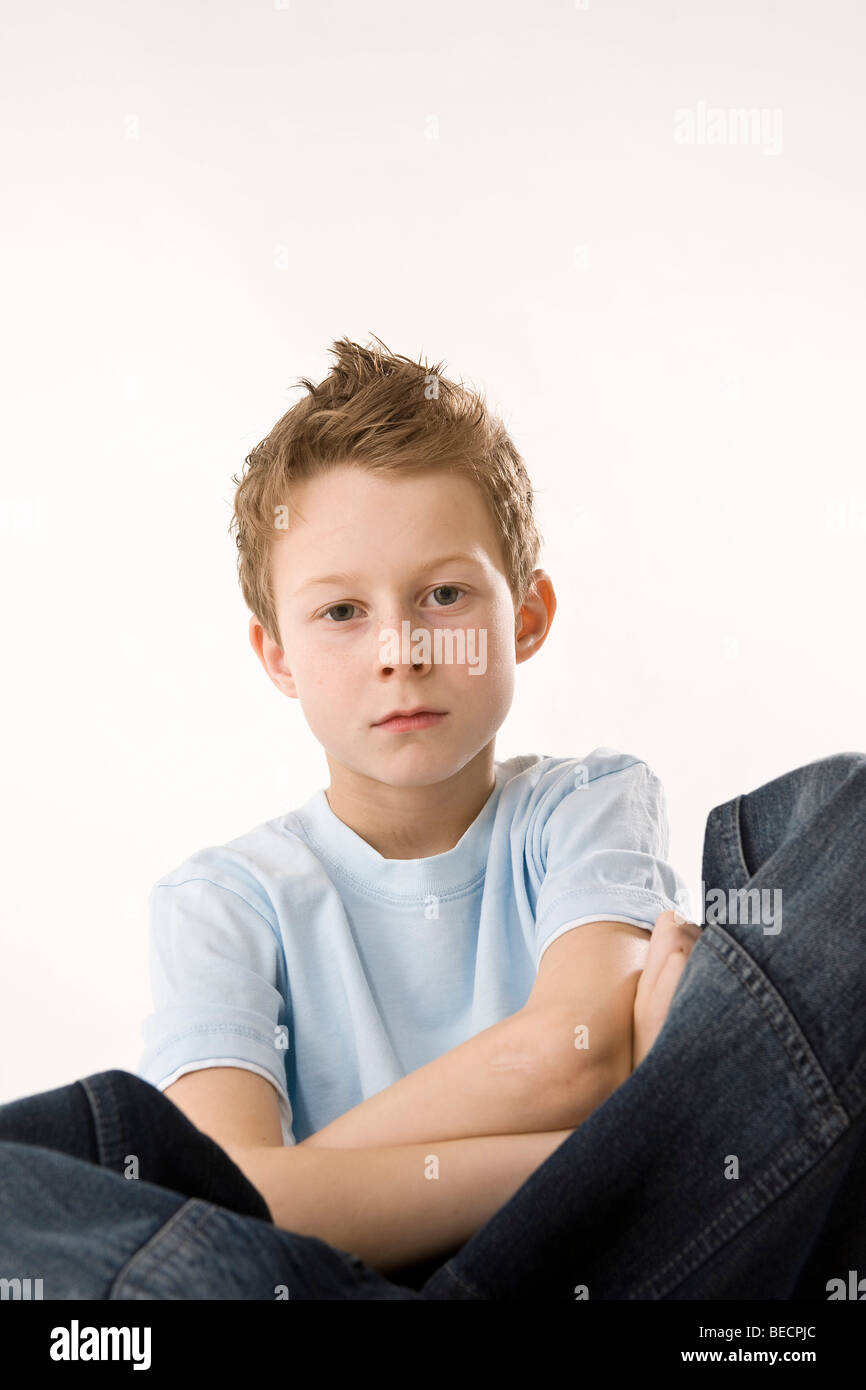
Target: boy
(376, 1003)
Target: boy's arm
(545, 1067)
(392, 1204)
(520, 1076)
(395, 1205)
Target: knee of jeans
(850, 761)
(844, 769)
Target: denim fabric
(189, 1225)
(729, 1165)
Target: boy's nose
(405, 644)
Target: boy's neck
(413, 822)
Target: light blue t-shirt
(299, 952)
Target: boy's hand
(670, 946)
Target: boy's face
(365, 560)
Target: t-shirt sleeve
(598, 847)
(218, 981)
(283, 1104)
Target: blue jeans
(730, 1164)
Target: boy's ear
(533, 619)
(273, 658)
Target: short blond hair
(387, 414)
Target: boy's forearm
(508, 1079)
(398, 1204)
(520, 1076)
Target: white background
(200, 197)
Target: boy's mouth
(405, 720)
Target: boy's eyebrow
(344, 578)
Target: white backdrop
(200, 197)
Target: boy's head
(346, 519)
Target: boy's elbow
(580, 1066)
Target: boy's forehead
(351, 485)
(356, 508)
(349, 518)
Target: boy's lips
(410, 719)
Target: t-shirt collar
(358, 862)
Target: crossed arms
(413, 1171)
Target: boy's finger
(666, 987)
(667, 935)
(673, 920)
(652, 1012)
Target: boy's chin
(411, 769)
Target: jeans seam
(738, 829)
(819, 1158)
(465, 1284)
(831, 1121)
(182, 1214)
(723, 823)
(760, 987)
(681, 1266)
(106, 1118)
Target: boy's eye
(335, 606)
(452, 588)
